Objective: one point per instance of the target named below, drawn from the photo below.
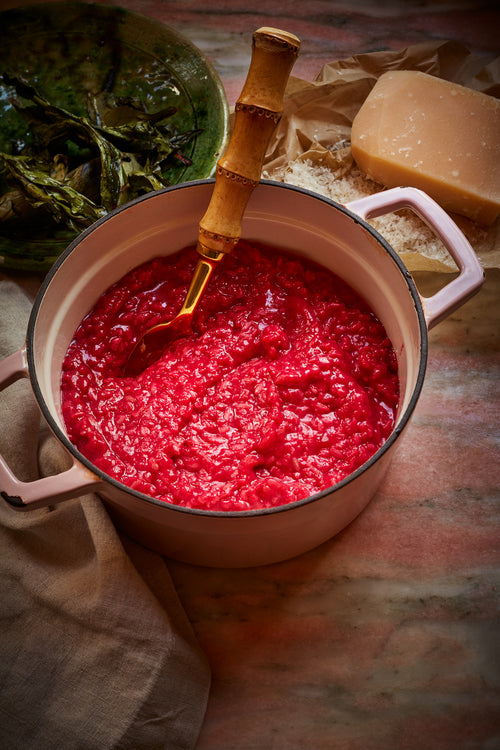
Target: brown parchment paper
(311, 145)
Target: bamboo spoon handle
(257, 112)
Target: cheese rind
(418, 130)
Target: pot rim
(105, 478)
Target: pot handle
(47, 490)
(471, 273)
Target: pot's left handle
(47, 490)
(471, 272)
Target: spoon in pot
(257, 112)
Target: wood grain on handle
(257, 112)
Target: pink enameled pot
(336, 236)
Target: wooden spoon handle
(257, 112)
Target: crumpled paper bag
(96, 651)
(315, 131)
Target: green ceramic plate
(68, 50)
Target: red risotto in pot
(287, 385)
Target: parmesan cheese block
(418, 130)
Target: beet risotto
(288, 384)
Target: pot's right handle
(47, 490)
(471, 275)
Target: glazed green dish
(89, 89)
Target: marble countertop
(385, 637)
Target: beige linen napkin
(95, 648)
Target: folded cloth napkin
(95, 648)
